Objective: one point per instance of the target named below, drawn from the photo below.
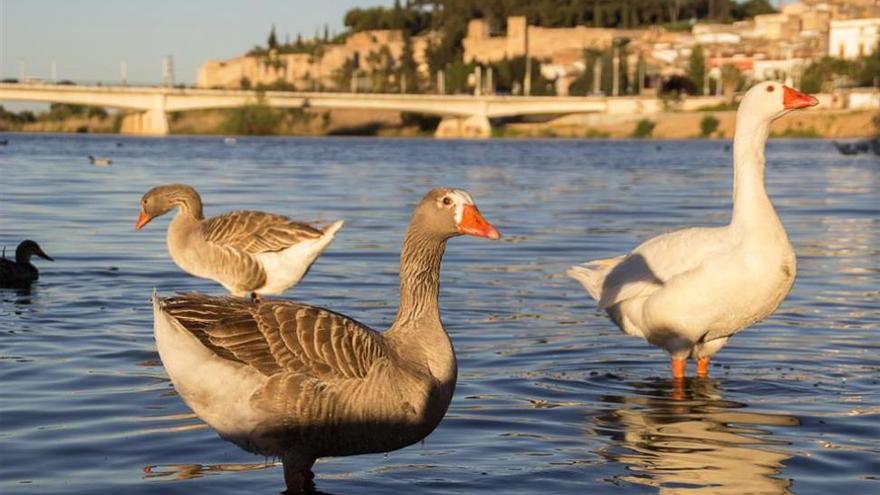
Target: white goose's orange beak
(142, 220)
(473, 223)
(793, 99)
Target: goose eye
(447, 201)
(770, 89)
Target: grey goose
(299, 382)
(247, 252)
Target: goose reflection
(690, 440)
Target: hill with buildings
(571, 47)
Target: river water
(551, 397)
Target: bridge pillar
(150, 123)
(473, 127)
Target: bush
(708, 125)
(255, 119)
(643, 129)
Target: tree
(407, 72)
(696, 70)
(731, 79)
(272, 42)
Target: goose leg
(678, 365)
(703, 367)
(298, 475)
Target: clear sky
(88, 39)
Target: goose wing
(255, 232)
(280, 336)
(658, 261)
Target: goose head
(29, 248)
(162, 199)
(770, 100)
(445, 213)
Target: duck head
(446, 213)
(162, 199)
(29, 248)
(770, 100)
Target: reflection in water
(190, 471)
(697, 444)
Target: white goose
(690, 290)
(248, 252)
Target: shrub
(643, 129)
(708, 125)
(253, 119)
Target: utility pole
(123, 72)
(168, 71)
(21, 70)
(54, 71)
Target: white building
(853, 38)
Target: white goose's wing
(657, 261)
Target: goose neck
(750, 201)
(420, 259)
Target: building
(853, 38)
(318, 67)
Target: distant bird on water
(248, 252)
(100, 161)
(21, 273)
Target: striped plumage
(300, 382)
(248, 252)
(20, 273)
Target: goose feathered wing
(280, 336)
(255, 232)
(658, 261)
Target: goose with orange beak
(300, 382)
(689, 291)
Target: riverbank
(666, 125)
(683, 125)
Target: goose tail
(592, 274)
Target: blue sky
(88, 39)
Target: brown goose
(21, 272)
(248, 252)
(300, 382)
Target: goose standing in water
(248, 252)
(300, 382)
(690, 290)
(21, 272)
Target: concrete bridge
(462, 115)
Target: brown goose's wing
(256, 232)
(280, 336)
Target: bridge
(461, 115)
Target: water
(551, 397)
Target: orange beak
(793, 99)
(142, 220)
(473, 223)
